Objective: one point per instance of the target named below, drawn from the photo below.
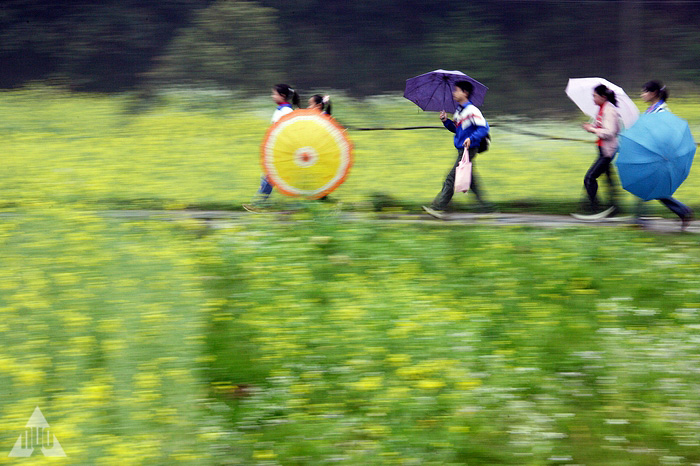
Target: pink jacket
(608, 130)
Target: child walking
(606, 127)
(470, 128)
(284, 96)
(655, 94)
(319, 102)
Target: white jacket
(281, 111)
(608, 129)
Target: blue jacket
(468, 123)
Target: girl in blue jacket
(284, 96)
(655, 94)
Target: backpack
(485, 143)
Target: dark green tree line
(523, 50)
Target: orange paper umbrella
(306, 153)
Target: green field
(312, 339)
(202, 150)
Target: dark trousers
(443, 198)
(602, 165)
(674, 205)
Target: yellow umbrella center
(306, 155)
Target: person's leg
(590, 181)
(676, 207)
(475, 185)
(265, 188)
(444, 197)
(612, 184)
(258, 201)
(684, 212)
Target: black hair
(603, 91)
(325, 105)
(289, 94)
(466, 86)
(657, 88)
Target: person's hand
(467, 143)
(443, 116)
(588, 127)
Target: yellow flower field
(102, 330)
(308, 338)
(202, 149)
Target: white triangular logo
(37, 419)
(36, 434)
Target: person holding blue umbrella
(655, 94)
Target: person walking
(285, 97)
(470, 129)
(607, 126)
(655, 94)
(322, 103)
(319, 102)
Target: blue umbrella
(655, 155)
(433, 91)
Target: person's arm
(482, 128)
(449, 124)
(478, 134)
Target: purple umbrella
(433, 91)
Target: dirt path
(219, 219)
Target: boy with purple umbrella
(470, 130)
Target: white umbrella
(580, 90)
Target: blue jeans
(265, 189)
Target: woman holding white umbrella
(606, 127)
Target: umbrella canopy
(655, 155)
(433, 91)
(580, 90)
(306, 153)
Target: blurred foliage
(376, 343)
(520, 49)
(101, 324)
(101, 46)
(231, 44)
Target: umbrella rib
(435, 89)
(421, 85)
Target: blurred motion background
(150, 330)
(523, 50)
